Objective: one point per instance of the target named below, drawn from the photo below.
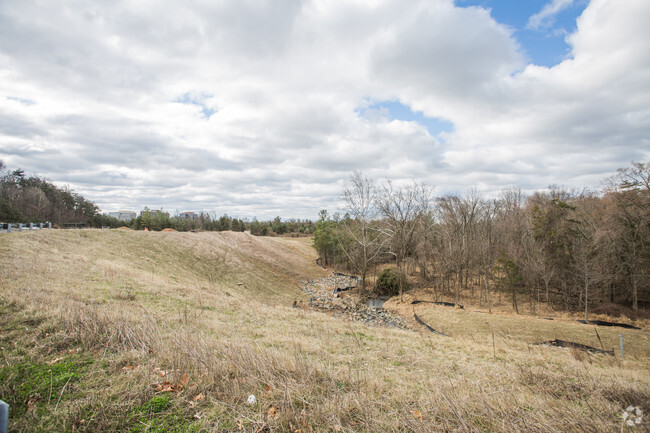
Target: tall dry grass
(164, 318)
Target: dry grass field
(171, 332)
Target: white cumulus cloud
(260, 108)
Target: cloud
(577, 118)
(417, 53)
(264, 108)
(545, 17)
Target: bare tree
(365, 244)
(589, 215)
(401, 210)
(451, 232)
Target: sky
(261, 108)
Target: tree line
(33, 199)
(159, 220)
(566, 247)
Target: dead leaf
(184, 379)
(128, 368)
(163, 387)
(31, 402)
(199, 415)
(267, 387)
(273, 413)
(198, 397)
(416, 414)
(240, 425)
(181, 385)
(54, 361)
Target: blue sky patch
(21, 100)
(398, 111)
(544, 44)
(188, 98)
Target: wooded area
(567, 247)
(32, 199)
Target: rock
(324, 296)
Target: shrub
(388, 281)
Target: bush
(388, 281)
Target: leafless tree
(365, 244)
(400, 209)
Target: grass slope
(163, 332)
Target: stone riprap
(330, 295)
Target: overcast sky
(263, 108)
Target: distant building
(188, 216)
(155, 212)
(123, 215)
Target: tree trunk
(487, 294)
(546, 283)
(533, 289)
(586, 293)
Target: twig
(50, 397)
(601, 341)
(61, 395)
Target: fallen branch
(342, 289)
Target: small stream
(377, 302)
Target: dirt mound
(168, 230)
(123, 228)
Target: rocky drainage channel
(331, 294)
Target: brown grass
(216, 307)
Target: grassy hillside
(158, 332)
